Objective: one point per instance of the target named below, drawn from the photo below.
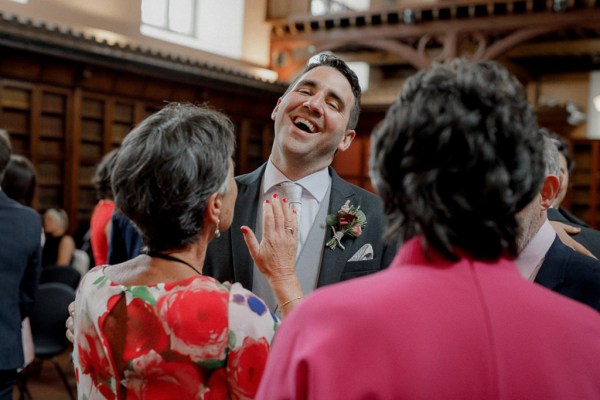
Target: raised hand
(275, 255)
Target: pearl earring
(217, 231)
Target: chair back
(48, 317)
(67, 275)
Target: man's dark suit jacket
(20, 253)
(588, 237)
(228, 259)
(571, 274)
(125, 241)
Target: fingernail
(244, 230)
(267, 201)
(284, 200)
(274, 195)
(294, 211)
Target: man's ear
(346, 140)
(276, 109)
(549, 191)
(212, 212)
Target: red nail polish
(244, 230)
(294, 211)
(284, 200)
(267, 201)
(274, 195)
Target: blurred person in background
(58, 245)
(20, 180)
(577, 229)
(543, 257)
(19, 183)
(100, 223)
(20, 234)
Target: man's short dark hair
(166, 170)
(456, 157)
(20, 180)
(330, 60)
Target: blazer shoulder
(348, 189)
(574, 262)
(251, 177)
(19, 211)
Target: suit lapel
(552, 272)
(245, 214)
(334, 261)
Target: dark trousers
(8, 380)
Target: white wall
(119, 20)
(593, 122)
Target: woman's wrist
(283, 280)
(285, 303)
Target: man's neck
(534, 252)
(296, 171)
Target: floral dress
(192, 339)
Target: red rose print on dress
(144, 331)
(217, 386)
(154, 379)
(93, 360)
(196, 319)
(245, 367)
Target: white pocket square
(364, 253)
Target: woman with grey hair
(154, 325)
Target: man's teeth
(305, 125)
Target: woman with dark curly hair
(455, 159)
(155, 326)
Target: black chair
(48, 327)
(67, 275)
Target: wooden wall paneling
(72, 169)
(352, 164)
(366, 157)
(141, 113)
(243, 139)
(593, 200)
(268, 137)
(256, 155)
(52, 131)
(579, 179)
(77, 129)
(96, 133)
(124, 114)
(15, 114)
(583, 192)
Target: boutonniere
(348, 221)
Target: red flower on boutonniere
(348, 221)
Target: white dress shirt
(314, 188)
(533, 255)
